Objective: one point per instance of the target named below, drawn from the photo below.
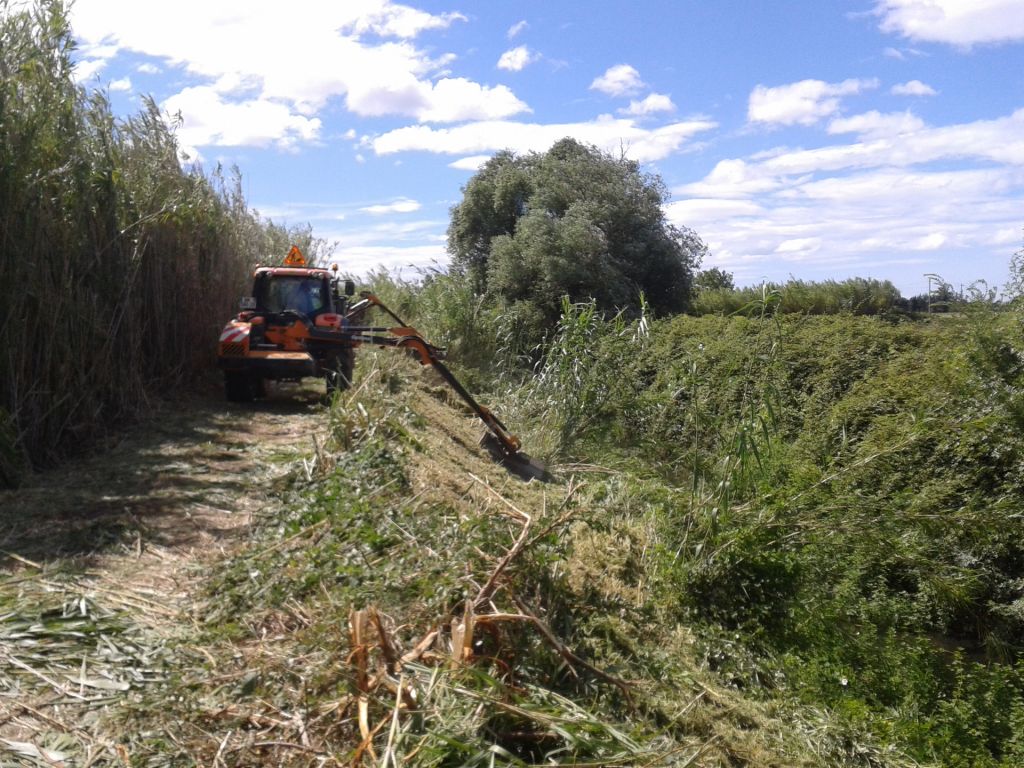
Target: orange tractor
(300, 321)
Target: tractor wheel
(237, 387)
(258, 384)
(339, 370)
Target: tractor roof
(291, 271)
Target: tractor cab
(297, 291)
(305, 292)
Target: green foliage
(1015, 286)
(858, 296)
(571, 222)
(854, 507)
(714, 279)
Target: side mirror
(350, 288)
(247, 302)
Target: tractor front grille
(232, 350)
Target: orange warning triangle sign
(295, 258)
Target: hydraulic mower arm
(408, 338)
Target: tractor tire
(339, 371)
(237, 387)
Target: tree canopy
(573, 221)
(714, 279)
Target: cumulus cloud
(802, 103)
(641, 144)
(517, 59)
(913, 88)
(210, 119)
(148, 69)
(653, 104)
(401, 205)
(121, 84)
(456, 99)
(364, 53)
(961, 23)
(620, 80)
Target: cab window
(301, 294)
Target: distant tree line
(717, 295)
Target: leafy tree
(714, 279)
(573, 221)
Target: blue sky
(880, 138)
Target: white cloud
(961, 23)
(396, 246)
(209, 119)
(365, 260)
(402, 205)
(901, 198)
(363, 51)
(641, 144)
(516, 29)
(651, 105)
(931, 242)
(457, 99)
(122, 84)
(88, 68)
(802, 103)
(799, 245)
(874, 124)
(733, 178)
(472, 163)
(148, 69)
(620, 80)
(710, 209)
(394, 20)
(517, 59)
(901, 54)
(913, 88)
(999, 141)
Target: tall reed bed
(856, 296)
(116, 263)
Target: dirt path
(121, 536)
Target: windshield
(301, 294)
